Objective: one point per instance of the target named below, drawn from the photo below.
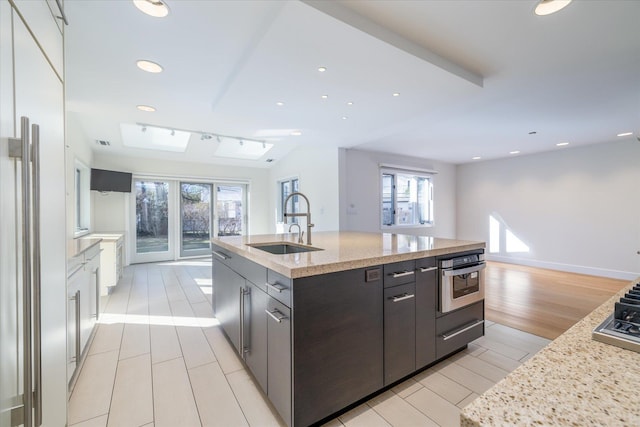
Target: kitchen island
(573, 381)
(324, 329)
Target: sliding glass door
(195, 218)
(176, 219)
(230, 209)
(152, 221)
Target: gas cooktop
(622, 328)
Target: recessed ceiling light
(625, 134)
(349, 103)
(296, 133)
(344, 117)
(396, 94)
(322, 69)
(514, 152)
(547, 7)
(324, 96)
(476, 158)
(146, 108)
(155, 8)
(562, 144)
(279, 104)
(149, 66)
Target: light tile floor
(159, 358)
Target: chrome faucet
(293, 214)
(300, 232)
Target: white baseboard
(592, 271)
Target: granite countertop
(573, 381)
(342, 250)
(77, 247)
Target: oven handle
(454, 272)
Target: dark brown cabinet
(279, 357)
(399, 332)
(337, 342)
(426, 305)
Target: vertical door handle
(78, 328)
(97, 273)
(246, 322)
(37, 275)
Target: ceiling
(474, 78)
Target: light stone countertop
(342, 250)
(77, 247)
(573, 381)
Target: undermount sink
(282, 248)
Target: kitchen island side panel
(337, 343)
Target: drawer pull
(276, 286)
(276, 315)
(425, 269)
(472, 325)
(220, 255)
(402, 297)
(403, 273)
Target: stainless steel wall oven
(461, 281)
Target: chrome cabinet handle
(63, 15)
(246, 322)
(403, 273)
(276, 286)
(241, 343)
(446, 337)
(220, 255)
(402, 297)
(425, 269)
(276, 315)
(97, 273)
(78, 329)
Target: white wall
(360, 200)
(577, 209)
(109, 211)
(318, 174)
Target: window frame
(294, 182)
(417, 175)
(82, 198)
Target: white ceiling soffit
(348, 16)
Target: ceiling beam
(349, 17)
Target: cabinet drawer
(457, 329)
(251, 271)
(399, 273)
(74, 264)
(91, 253)
(279, 287)
(399, 332)
(428, 264)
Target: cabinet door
(227, 287)
(399, 332)
(338, 326)
(255, 333)
(279, 357)
(426, 304)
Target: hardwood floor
(543, 302)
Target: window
(82, 203)
(285, 188)
(407, 198)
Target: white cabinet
(111, 259)
(83, 292)
(31, 71)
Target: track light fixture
(203, 135)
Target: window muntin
(407, 199)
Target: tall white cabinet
(31, 85)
